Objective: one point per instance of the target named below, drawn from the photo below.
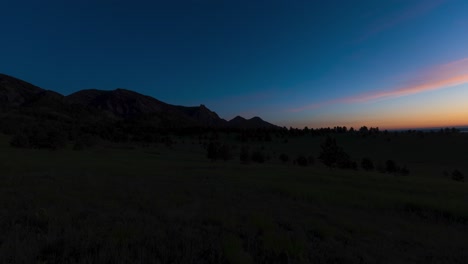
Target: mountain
(253, 123)
(203, 115)
(19, 98)
(15, 92)
(120, 102)
(45, 99)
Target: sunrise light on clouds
(448, 75)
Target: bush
(457, 176)
(20, 140)
(84, 141)
(381, 168)
(244, 154)
(40, 137)
(353, 165)
(301, 161)
(217, 151)
(212, 150)
(391, 166)
(334, 156)
(49, 138)
(258, 156)
(367, 164)
(224, 152)
(347, 163)
(284, 157)
(404, 170)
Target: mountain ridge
(117, 104)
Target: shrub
(391, 166)
(381, 168)
(258, 156)
(301, 161)
(244, 154)
(224, 152)
(212, 150)
(404, 170)
(84, 141)
(217, 151)
(284, 157)
(20, 140)
(457, 176)
(334, 156)
(367, 164)
(353, 165)
(40, 137)
(346, 163)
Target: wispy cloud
(439, 77)
(413, 11)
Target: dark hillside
(113, 115)
(203, 116)
(15, 92)
(253, 123)
(120, 102)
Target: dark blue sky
(315, 63)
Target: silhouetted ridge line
(111, 106)
(253, 123)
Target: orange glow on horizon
(441, 109)
(399, 122)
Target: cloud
(407, 14)
(439, 77)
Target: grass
(115, 204)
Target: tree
(367, 164)
(257, 156)
(391, 166)
(224, 152)
(20, 140)
(404, 170)
(334, 156)
(301, 161)
(329, 152)
(212, 150)
(217, 151)
(363, 130)
(457, 176)
(41, 137)
(284, 157)
(244, 154)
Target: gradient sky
(392, 64)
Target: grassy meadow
(158, 204)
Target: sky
(387, 64)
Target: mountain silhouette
(15, 92)
(18, 97)
(253, 123)
(120, 102)
(203, 115)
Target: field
(158, 204)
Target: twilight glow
(444, 76)
(392, 64)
